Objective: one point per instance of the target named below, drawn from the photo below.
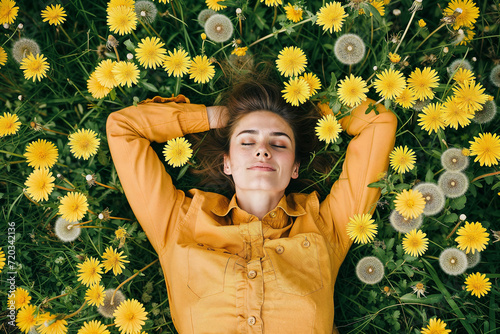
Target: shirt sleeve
(367, 157)
(156, 202)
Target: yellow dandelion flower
(26, 319)
(95, 295)
(48, 324)
(410, 203)
(472, 237)
(2, 259)
(118, 3)
(352, 91)
(313, 82)
(466, 38)
(89, 272)
(463, 74)
(390, 83)
(130, 316)
(20, 298)
(122, 20)
(293, 12)
(120, 233)
(361, 228)
(104, 74)
(379, 6)
(296, 91)
(291, 61)
(83, 143)
(3, 56)
(8, 11)
(270, 3)
(73, 206)
(431, 118)
(406, 99)
(95, 87)
(240, 52)
(454, 116)
(54, 14)
(126, 73)
(415, 243)
(394, 57)
(470, 95)
(214, 5)
(201, 70)
(487, 149)
(150, 52)
(177, 63)
(478, 284)
(328, 129)
(402, 159)
(93, 327)
(203, 36)
(435, 326)
(9, 124)
(421, 23)
(331, 16)
(35, 67)
(114, 260)
(41, 154)
(422, 82)
(40, 184)
(177, 151)
(465, 11)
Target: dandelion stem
(106, 186)
(241, 29)
(432, 33)
(32, 201)
(92, 226)
(85, 97)
(130, 278)
(14, 154)
(77, 311)
(35, 126)
(406, 30)
(454, 229)
(63, 188)
(66, 180)
(278, 31)
(116, 53)
(485, 175)
(66, 34)
(56, 297)
(121, 218)
(82, 223)
(275, 14)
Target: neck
(258, 203)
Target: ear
(295, 172)
(227, 165)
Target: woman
(260, 261)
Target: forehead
(264, 122)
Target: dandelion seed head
(473, 259)
(23, 48)
(147, 10)
(107, 309)
(453, 184)
(370, 270)
(486, 113)
(453, 261)
(453, 159)
(456, 64)
(402, 224)
(349, 49)
(434, 197)
(65, 230)
(219, 28)
(204, 15)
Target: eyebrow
(274, 133)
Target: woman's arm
(155, 201)
(367, 156)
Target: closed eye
(279, 146)
(247, 144)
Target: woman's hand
(217, 116)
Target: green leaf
(458, 203)
(183, 171)
(149, 86)
(408, 271)
(452, 217)
(429, 176)
(130, 46)
(431, 299)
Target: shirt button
(251, 321)
(306, 243)
(272, 214)
(252, 274)
(201, 245)
(280, 249)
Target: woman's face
(261, 153)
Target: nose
(263, 151)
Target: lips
(262, 167)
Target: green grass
(47, 267)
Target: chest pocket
(296, 263)
(206, 270)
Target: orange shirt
(226, 271)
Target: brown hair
(249, 95)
